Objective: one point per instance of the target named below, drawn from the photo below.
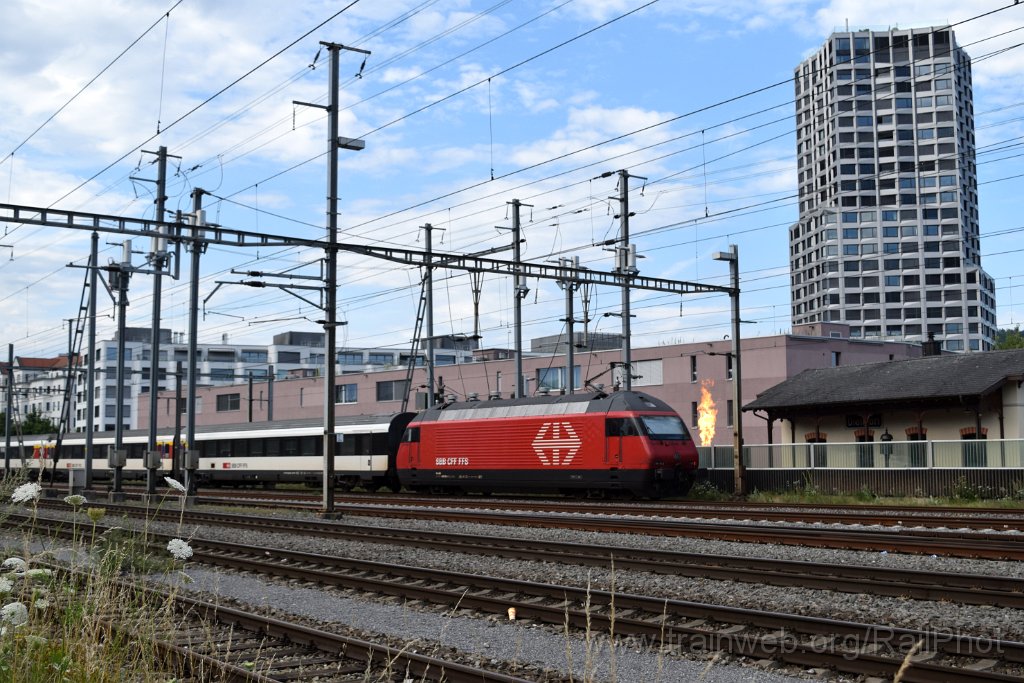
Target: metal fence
(966, 468)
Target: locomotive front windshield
(664, 427)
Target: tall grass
(86, 626)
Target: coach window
(620, 426)
(273, 447)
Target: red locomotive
(580, 443)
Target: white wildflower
(176, 485)
(14, 614)
(41, 604)
(35, 640)
(75, 500)
(27, 493)
(6, 585)
(40, 573)
(14, 564)
(179, 549)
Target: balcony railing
(983, 453)
(986, 468)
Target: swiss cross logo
(225, 466)
(556, 443)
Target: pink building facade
(674, 373)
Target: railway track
(993, 546)
(206, 641)
(674, 626)
(975, 589)
(867, 515)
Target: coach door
(412, 445)
(615, 428)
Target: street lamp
(739, 470)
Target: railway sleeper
(982, 665)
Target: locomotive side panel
(522, 443)
(535, 455)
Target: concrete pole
(158, 256)
(270, 393)
(330, 299)
(90, 377)
(10, 406)
(428, 230)
(570, 323)
(123, 273)
(624, 269)
(519, 293)
(331, 280)
(176, 447)
(198, 221)
(739, 468)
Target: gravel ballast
(501, 639)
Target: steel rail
(807, 641)
(335, 648)
(906, 517)
(961, 588)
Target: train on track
(592, 444)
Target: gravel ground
(496, 639)
(501, 639)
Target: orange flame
(707, 413)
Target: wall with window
(674, 373)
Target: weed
(705, 490)
(866, 495)
(92, 626)
(963, 490)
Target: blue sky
(464, 106)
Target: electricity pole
(625, 265)
(119, 276)
(198, 248)
(157, 258)
(520, 290)
(570, 285)
(739, 468)
(428, 286)
(334, 143)
(7, 414)
(90, 378)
